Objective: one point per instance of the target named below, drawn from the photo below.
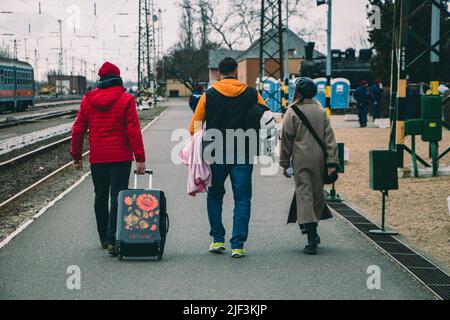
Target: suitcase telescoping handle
(150, 178)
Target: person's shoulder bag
(329, 179)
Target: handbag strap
(308, 125)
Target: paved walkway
(34, 264)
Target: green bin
(383, 170)
(432, 130)
(431, 107)
(414, 127)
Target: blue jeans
(241, 181)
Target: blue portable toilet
(273, 99)
(321, 85)
(340, 93)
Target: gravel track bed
(17, 152)
(18, 177)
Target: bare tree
(219, 23)
(247, 14)
(186, 24)
(4, 53)
(360, 39)
(203, 23)
(237, 22)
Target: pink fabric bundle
(199, 173)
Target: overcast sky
(111, 35)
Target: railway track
(33, 153)
(17, 122)
(36, 184)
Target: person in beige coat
(302, 151)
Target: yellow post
(328, 96)
(434, 87)
(286, 93)
(283, 97)
(402, 84)
(400, 134)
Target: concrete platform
(34, 264)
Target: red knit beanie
(109, 69)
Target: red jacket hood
(105, 99)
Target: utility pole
(93, 73)
(161, 42)
(328, 87)
(154, 54)
(435, 35)
(25, 48)
(60, 66)
(66, 62)
(36, 59)
(286, 46)
(271, 59)
(15, 49)
(144, 70)
(36, 64)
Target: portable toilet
(340, 93)
(321, 85)
(292, 89)
(272, 94)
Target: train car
(344, 65)
(17, 89)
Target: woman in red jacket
(115, 140)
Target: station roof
(215, 56)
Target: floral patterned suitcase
(142, 222)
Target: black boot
(313, 239)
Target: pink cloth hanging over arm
(199, 173)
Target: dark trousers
(362, 114)
(109, 179)
(241, 182)
(376, 109)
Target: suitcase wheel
(119, 251)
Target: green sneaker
(238, 253)
(217, 247)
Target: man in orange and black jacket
(225, 109)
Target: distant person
(443, 89)
(115, 140)
(423, 88)
(225, 107)
(299, 147)
(362, 98)
(195, 96)
(377, 98)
